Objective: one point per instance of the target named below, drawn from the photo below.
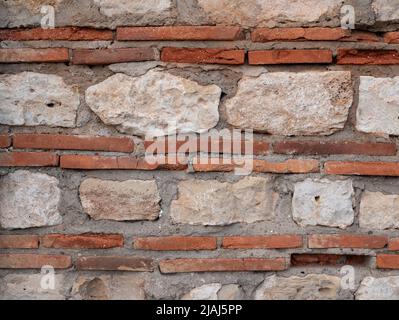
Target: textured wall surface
(318, 216)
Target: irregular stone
(378, 107)
(310, 287)
(155, 104)
(386, 288)
(135, 69)
(323, 202)
(121, 201)
(29, 287)
(34, 99)
(230, 292)
(386, 10)
(379, 211)
(210, 202)
(112, 8)
(29, 200)
(115, 287)
(205, 292)
(270, 13)
(286, 103)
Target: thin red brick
(178, 33)
(82, 241)
(5, 141)
(393, 244)
(203, 55)
(28, 159)
(33, 261)
(289, 56)
(68, 142)
(115, 263)
(322, 241)
(222, 265)
(388, 261)
(367, 57)
(109, 56)
(175, 243)
(319, 259)
(289, 166)
(362, 168)
(392, 37)
(34, 55)
(263, 242)
(19, 242)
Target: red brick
(178, 33)
(68, 34)
(203, 55)
(391, 37)
(335, 147)
(285, 34)
(175, 243)
(263, 242)
(322, 241)
(289, 166)
(368, 57)
(19, 242)
(362, 168)
(109, 56)
(28, 159)
(82, 241)
(289, 56)
(33, 261)
(115, 263)
(5, 141)
(393, 244)
(362, 36)
(388, 261)
(200, 164)
(34, 55)
(318, 259)
(68, 142)
(222, 265)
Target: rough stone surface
(230, 292)
(386, 10)
(122, 201)
(205, 292)
(112, 8)
(114, 287)
(378, 107)
(371, 288)
(29, 200)
(28, 287)
(210, 202)
(155, 104)
(284, 103)
(310, 287)
(34, 99)
(379, 211)
(323, 202)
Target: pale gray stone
(323, 202)
(288, 104)
(379, 211)
(205, 292)
(386, 10)
(155, 104)
(33, 99)
(386, 288)
(112, 8)
(122, 201)
(378, 108)
(210, 202)
(230, 292)
(29, 200)
(310, 287)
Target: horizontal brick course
(203, 55)
(262, 242)
(319, 259)
(33, 261)
(222, 265)
(34, 55)
(289, 166)
(391, 37)
(28, 159)
(388, 261)
(5, 141)
(69, 142)
(322, 241)
(289, 56)
(109, 56)
(286, 34)
(393, 244)
(115, 263)
(178, 33)
(19, 241)
(175, 243)
(82, 241)
(362, 168)
(367, 57)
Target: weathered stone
(310, 287)
(29, 200)
(379, 211)
(122, 201)
(386, 288)
(323, 202)
(34, 99)
(210, 202)
(155, 104)
(386, 10)
(112, 8)
(28, 287)
(205, 292)
(115, 287)
(284, 103)
(378, 107)
(230, 292)
(269, 13)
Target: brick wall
(77, 193)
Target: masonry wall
(316, 219)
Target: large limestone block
(386, 288)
